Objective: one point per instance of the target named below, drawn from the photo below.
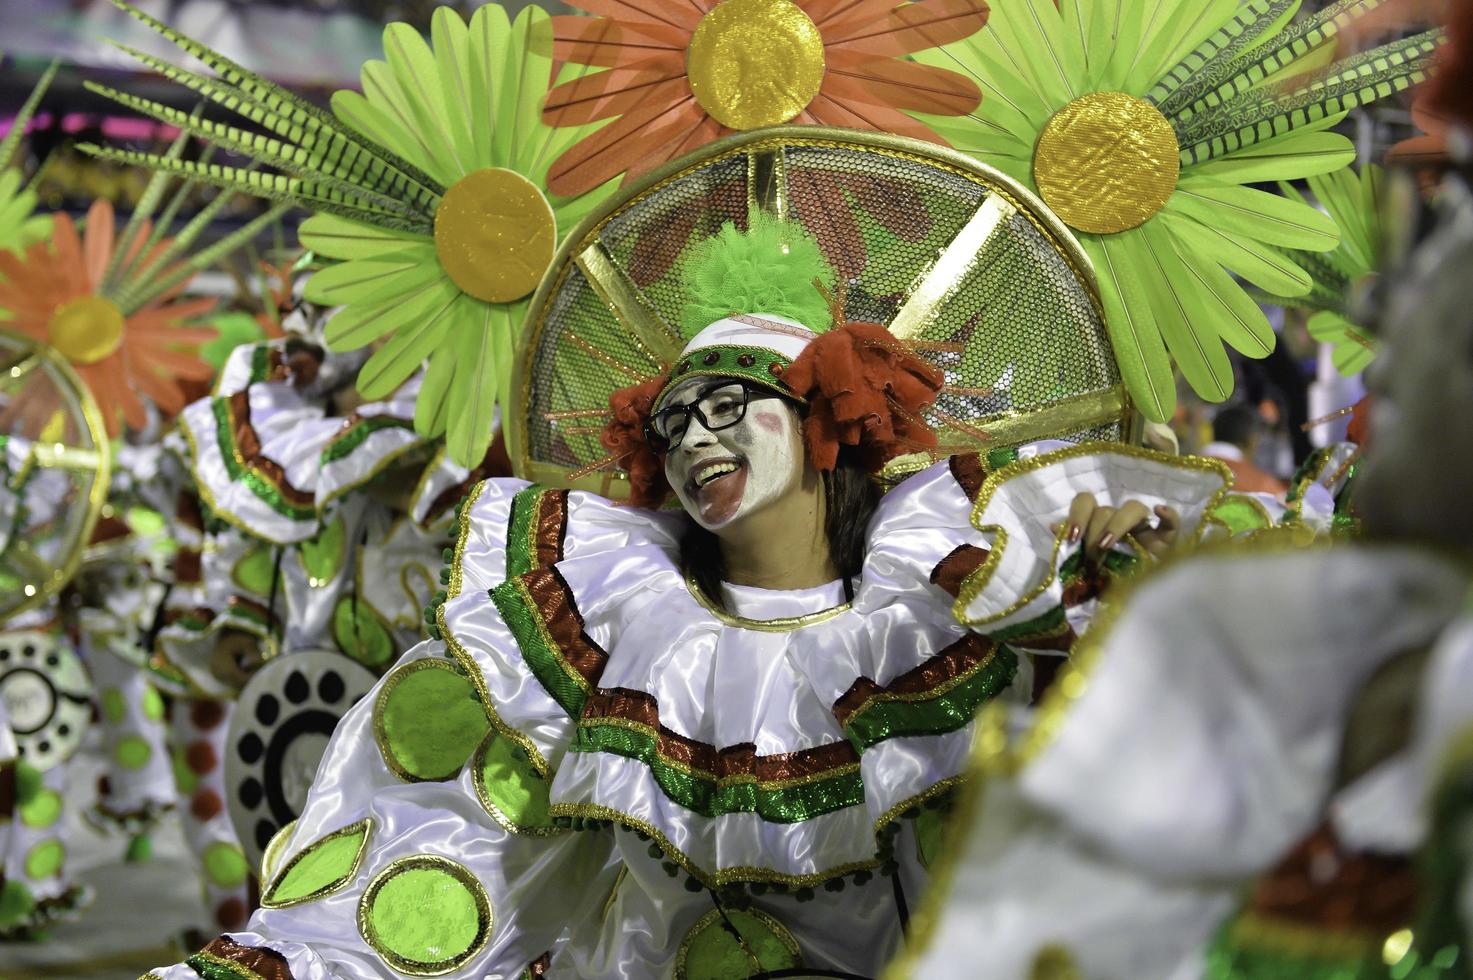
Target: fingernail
(1107, 541)
(1073, 533)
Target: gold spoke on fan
(958, 258)
(660, 343)
(767, 182)
(20, 367)
(1061, 418)
(59, 456)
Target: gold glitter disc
(495, 235)
(1106, 162)
(86, 330)
(755, 63)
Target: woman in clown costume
(713, 741)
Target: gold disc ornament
(755, 63)
(1106, 162)
(86, 330)
(495, 234)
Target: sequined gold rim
(63, 572)
(780, 931)
(785, 624)
(271, 856)
(378, 469)
(208, 498)
(460, 873)
(719, 879)
(381, 736)
(978, 581)
(364, 826)
(463, 532)
(757, 146)
(478, 783)
(468, 664)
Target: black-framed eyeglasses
(720, 405)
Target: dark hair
(850, 498)
(1235, 424)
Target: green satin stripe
(946, 712)
(260, 363)
(264, 489)
(344, 445)
(548, 665)
(526, 507)
(703, 795)
(216, 968)
(1051, 623)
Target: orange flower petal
(864, 78)
(602, 42)
(145, 229)
(911, 27)
(705, 130)
(97, 243)
(635, 14)
(612, 93)
(828, 111)
(69, 264)
(612, 150)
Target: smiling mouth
(712, 470)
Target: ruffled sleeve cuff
(1019, 583)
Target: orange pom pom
(624, 436)
(866, 391)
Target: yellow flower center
(495, 235)
(86, 330)
(1106, 162)
(755, 63)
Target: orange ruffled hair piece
(864, 390)
(630, 408)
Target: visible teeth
(713, 471)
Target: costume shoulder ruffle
(270, 461)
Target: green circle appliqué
(427, 721)
(425, 915)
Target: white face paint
(726, 475)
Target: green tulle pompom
(770, 268)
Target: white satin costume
(594, 773)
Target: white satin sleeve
(1194, 741)
(523, 888)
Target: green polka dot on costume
(508, 787)
(42, 810)
(929, 828)
(184, 777)
(225, 865)
(44, 860)
(710, 952)
(359, 633)
(132, 752)
(153, 705)
(16, 902)
(255, 571)
(321, 868)
(113, 705)
(427, 720)
(424, 914)
(27, 783)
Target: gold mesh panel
(957, 260)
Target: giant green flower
(1354, 201)
(429, 188)
(1141, 125)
